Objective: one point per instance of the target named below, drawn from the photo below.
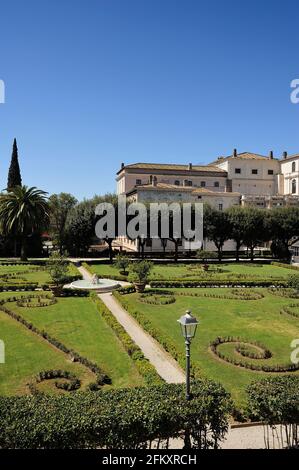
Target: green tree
(23, 211)
(255, 229)
(14, 173)
(237, 217)
(60, 207)
(58, 268)
(283, 225)
(217, 228)
(80, 228)
(122, 262)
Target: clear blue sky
(91, 84)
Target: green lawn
(30, 273)
(26, 354)
(253, 320)
(171, 271)
(77, 324)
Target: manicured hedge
(168, 344)
(116, 419)
(145, 368)
(18, 287)
(76, 357)
(183, 283)
(284, 265)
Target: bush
(116, 419)
(140, 271)
(122, 263)
(275, 400)
(73, 382)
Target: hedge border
(75, 356)
(144, 367)
(165, 341)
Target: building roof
(180, 189)
(172, 167)
(242, 156)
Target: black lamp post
(188, 326)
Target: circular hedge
(35, 301)
(231, 294)
(284, 292)
(289, 310)
(156, 297)
(69, 384)
(248, 349)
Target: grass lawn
(252, 320)
(26, 354)
(77, 324)
(31, 273)
(172, 271)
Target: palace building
(246, 179)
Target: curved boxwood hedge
(116, 419)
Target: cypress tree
(14, 174)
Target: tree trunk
(237, 252)
(219, 254)
(176, 244)
(24, 249)
(252, 254)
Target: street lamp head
(188, 325)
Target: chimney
(190, 166)
(122, 165)
(154, 181)
(285, 154)
(235, 153)
(271, 154)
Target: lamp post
(188, 327)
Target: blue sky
(91, 84)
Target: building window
(238, 170)
(216, 184)
(270, 172)
(254, 171)
(293, 186)
(177, 183)
(188, 182)
(293, 166)
(198, 197)
(138, 182)
(203, 184)
(220, 207)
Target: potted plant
(204, 256)
(122, 262)
(140, 271)
(58, 268)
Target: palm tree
(22, 211)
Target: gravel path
(165, 365)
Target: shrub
(276, 400)
(217, 283)
(140, 271)
(58, 267)
(293, 282)
(122, 262)
(73, 382)
(117, 419)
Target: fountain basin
(103, 285)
